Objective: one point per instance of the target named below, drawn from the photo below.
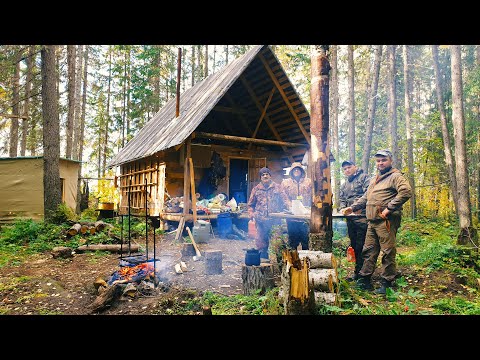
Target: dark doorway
(238, 180)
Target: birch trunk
(392, 106)
(334, 112)
(351, 104)
(13, 148)
(408, 113)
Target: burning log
(108, 247)
(213, 262)
(257, 278)
(106, 298)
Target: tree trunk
(13, 148)
(51, 134)
(71, 56)
(478, 139)
(78, 104)
(26, 103)
(82, 128)
(408, 113)
(107, 118)
(449, 160)
(392, 106)
(334, 112)
(320, 237)
(351, 104)
(372, 104)
(468, 234)
(193, 65)
(206, 61)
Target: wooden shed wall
(174, 173)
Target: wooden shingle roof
(228, 102)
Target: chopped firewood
(178, 269)
(84, 229)
(183, 266)
(100, 282)
(74, 230)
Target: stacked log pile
(309, 278)
(85, 228)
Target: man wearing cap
(352, 189)
(298, 187)
(383, 201)
(266, 197)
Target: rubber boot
(382, 290)
(354, 277)
(364, 283)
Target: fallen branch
(108, 247)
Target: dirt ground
(45, 285)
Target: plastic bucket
(224, 224)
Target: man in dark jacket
(352, 189)
(266, 197)
(383, 202)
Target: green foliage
(457, 305)
(88, 214)
(244, 304)
(62, 214)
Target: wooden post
(186, 177)
(193, 193)
(321, 232)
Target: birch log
(318, 259)
(74, 230)
(322, 298)
(323, 279)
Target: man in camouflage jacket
(383, 201)
(266, 197)
(352, 189)
(298, 187)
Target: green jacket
(390, 190)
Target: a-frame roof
(230, 101)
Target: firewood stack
(309, 278)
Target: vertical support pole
(146, 219)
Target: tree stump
(188, 250)
(257, 278)
(213, 262)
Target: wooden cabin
(21, 186)
(248, 114)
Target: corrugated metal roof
(196, 104)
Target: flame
(139, 271)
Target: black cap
(384, 152)
(347, 162)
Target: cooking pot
(252, 257)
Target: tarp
(21, 186)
